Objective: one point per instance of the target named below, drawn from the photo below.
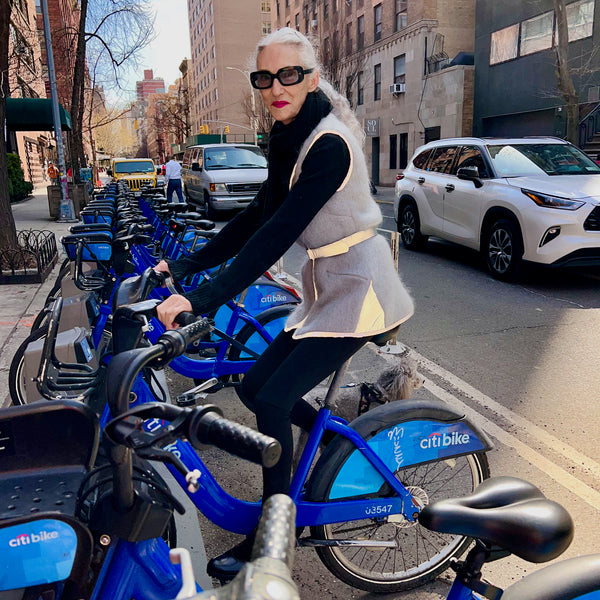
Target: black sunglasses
(262, 80)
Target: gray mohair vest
(356, 292)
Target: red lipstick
(280, 103)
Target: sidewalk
(21, 302)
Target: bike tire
(273, 319)
(420, 554)
(16, 382)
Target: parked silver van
(220, 177)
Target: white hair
(308, 57)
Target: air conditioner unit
(313, 23)
(397, 88)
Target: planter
(78, 192)
(32, 261)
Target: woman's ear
(314, 82)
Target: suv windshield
(517, 160)
(137, 166)
(235, 157)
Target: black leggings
(273, 389)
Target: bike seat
(568, 579)
(506, 512)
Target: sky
(171, 46)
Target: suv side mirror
(470, 174)
(196, 167)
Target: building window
(536, 33)
(505, 44)
(326, 9)
(287, 3)
(360, 32)
(400, 69)
(580, 19)
(348, 7)
(297, 22)
(348, 38)
(393, 151)
(326, 50)
(400, 14)
(265, 6)
(377, 82)
(349, 82)
(377, 23)
(266, 27)
(361, 92)
(360, 3)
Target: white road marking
(560, 475)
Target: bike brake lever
(164, 456)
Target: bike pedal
(189, 399)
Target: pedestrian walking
(53, 174)
(173, 179)
(317, 195)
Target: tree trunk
(563, 76)
(8, 234)
(78, 98)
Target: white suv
(535, 199)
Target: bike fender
(403, 433)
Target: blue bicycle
(361, 497)
(506, 515)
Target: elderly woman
(316, 195)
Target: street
(520, 359)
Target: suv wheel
(209, 211)
(503, 250)
(409, 227)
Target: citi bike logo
(439, 440)
(274, 298)
(25, 538)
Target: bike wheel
(273, 320)
(16, 375)
(420, 555)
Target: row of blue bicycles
(396, 497)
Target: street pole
(66, 211)
(246, 75)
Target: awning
(34, 114)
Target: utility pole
(67, 211)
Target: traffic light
(226, 128)
(203, 128)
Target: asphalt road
(521, 359)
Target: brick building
(406, 67)
(145, 89)
(26, 81)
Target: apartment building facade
(26, 80)
(223, 36)
(515, 57)
(406, 68)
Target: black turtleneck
(274, 220)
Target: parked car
(524, 199)
(137, 172)
(222, 177)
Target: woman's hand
(168, 310)
(162, 267)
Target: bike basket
(96, 247)
(42, 549)
(96, 217)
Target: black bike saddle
(506, 512)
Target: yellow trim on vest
(371, 316)
(341, 246)
(321, 133)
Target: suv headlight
(547, 201)
(218, 187)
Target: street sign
(371, 127)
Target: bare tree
(116, 31)
(8, 234)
